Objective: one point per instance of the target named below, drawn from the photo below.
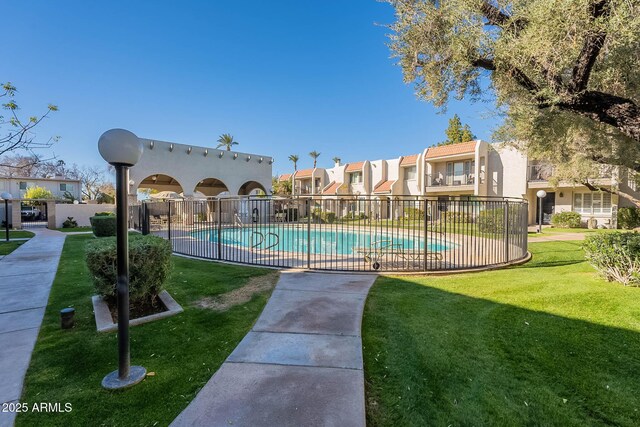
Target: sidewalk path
(26, 276)
(300, 365)
(554, 237)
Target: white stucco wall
(506, 171)
(189, 165)
(81, 213)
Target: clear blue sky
(283, 77)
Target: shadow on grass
(434, 357)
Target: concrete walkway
(26, 276)
(556, 237)
(300, 365)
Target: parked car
(30, 213)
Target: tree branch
(621, 113)
(590, 51)
(595, 187)
(500, 19)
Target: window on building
(65, 187)
(410, 173)
(592, 203)
(23, 185)
(355, 178)
(461, 173)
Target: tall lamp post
(122, 149)
(541, 195)
(6, 196)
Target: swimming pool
(292, 239)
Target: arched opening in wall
(212, 187)
(252, 188)
(159, 186)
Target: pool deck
(301, 363)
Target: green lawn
(7, 247)
(183, 351)
(553, 230)
(74, 229)
(546, 343)
(17, 234)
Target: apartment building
(474, 168)
(59, 186)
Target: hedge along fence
(103, 224)
(616, 256)
(149, 266)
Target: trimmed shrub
(457, 217)
(70, 223)
(103, 225)
(105, 213)
(149, 266)
(616, 256)
(628, 218)
(566, 220)
(492, 220)
(413, 213)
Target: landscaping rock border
(105, 323)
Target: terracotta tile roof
(409, 160)
(383, 187)
(452, 149)
(304, 173)
(354, 167)
(285, 177)
(331, 188)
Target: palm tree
(294, 158)
(226, 140)
(314, 155)
(336, 159)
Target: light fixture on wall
(260, 160)
(271, 161)
(248, 158)
(561, 194)
(206, 152)
(221, 154)
(189, 150)
(154, 178)
(170, 147)
(151, 144)
(235, 156)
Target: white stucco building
(189, 170)
(468, 169)
(59, 187)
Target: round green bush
(149, 266)
(566, 220)
(103, 225)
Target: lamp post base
(113, 382)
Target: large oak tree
(563, 72)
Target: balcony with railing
(450, 182)
(541, 173)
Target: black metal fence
(347, 233)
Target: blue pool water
(322, 241)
